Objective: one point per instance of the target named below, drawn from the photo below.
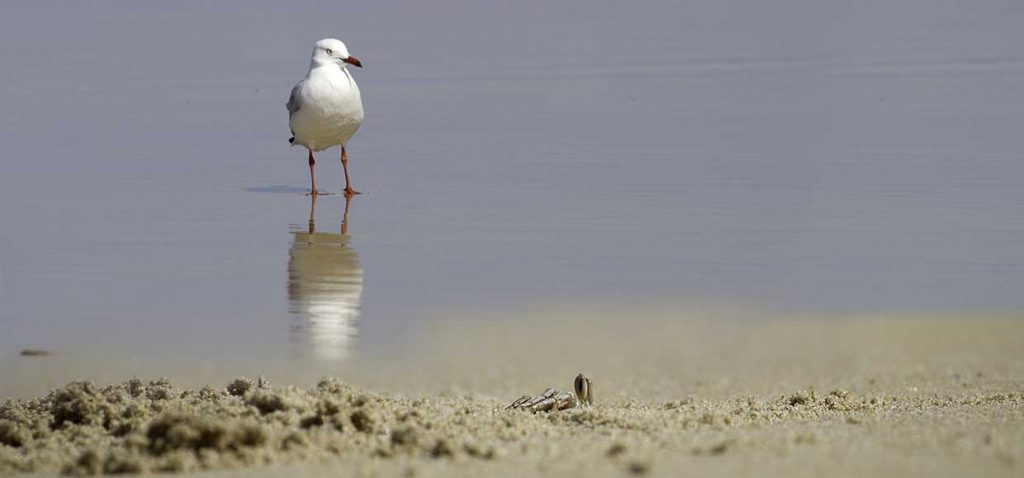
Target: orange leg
(312, 177)
(349, 192)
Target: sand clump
(141, 427)
(137, 426)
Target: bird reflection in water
(325, 286)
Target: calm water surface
(804, 156)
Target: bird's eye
(329, 52)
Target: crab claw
(584, 390)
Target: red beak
(351, 60)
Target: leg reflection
(325, 286)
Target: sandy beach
(677, 392)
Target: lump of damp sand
(801, 397)
(80, 403)
(267, 401)
(180, 431)
(241, 386)
(13, 434)
(365, 420)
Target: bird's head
(333, 52)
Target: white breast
(330, 109)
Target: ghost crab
(551, 400)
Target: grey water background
(787, 156)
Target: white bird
(325, 108)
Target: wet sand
(676, 392)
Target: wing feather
(293, 100)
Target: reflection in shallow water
(325, 285)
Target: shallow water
(793, 157)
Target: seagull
(325, 108)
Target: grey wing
(293, 106)
(293, 100)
